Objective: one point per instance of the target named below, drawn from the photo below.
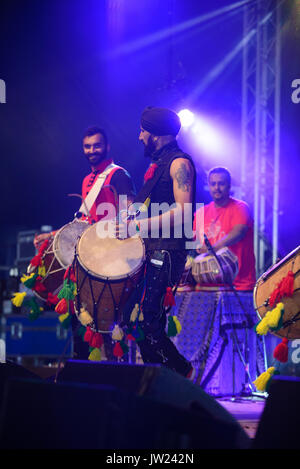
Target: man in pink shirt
(228, 223)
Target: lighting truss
(260, 152)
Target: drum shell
(53, 259)
(267, 283)
(103, 298)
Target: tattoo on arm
(184, 178)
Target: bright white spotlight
(186, 117)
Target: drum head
(65, 241)
(110, 258)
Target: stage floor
(246, 410)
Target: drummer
(96, 149)
(228, 223)
(165, 255)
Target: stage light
(186, 117)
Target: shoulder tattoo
(184, 177)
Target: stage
(246, 410)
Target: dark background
(68, 64)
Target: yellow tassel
(117, 333)
(18, 299)
(84, 317)
(24, 277)
(42, 270)
(262, 327)
(62, 317)
(134, 313)
(177, 323)
(273, 316)
(141, 317)
(95, 355)
(262, 381)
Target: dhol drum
(59, 256)
(268, 282)
(107, 270)
(207, 271)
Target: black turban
(160, 121)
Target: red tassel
(62, 306)
(37, 260)
(118, 351)
(97, 340)
(130, 337)
(281, 351)
(88, 335)
(69, 274)
(169, 299)
(39, 287)
(275, 296)
(150, 172)
(287, 285)
(52, 299)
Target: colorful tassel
(42, 270)
(88, 335)
(18, 299)
(169, 299)
(95, 355)
(29, 280)
(62, 306)
(274, 316)
(52, 299)
(120, 349)
(287, 285)
(39, 287)
(97, 340)
(281, 351)
(67, 291)
(272, 320)
(134, 313)
(65, 320)
(84, 317)
(69, 275)
(262, 328)
(263, 380)
(172, 330)
(178, 325)
(117, 333)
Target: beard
(96, 158)
(149, 147)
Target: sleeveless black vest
(162, 193)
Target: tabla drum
(206, 269)
(107, 270)
(268, 282)
(59, 256)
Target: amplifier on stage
(25, 247)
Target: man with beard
(228, 223)
(166, 249)
(117, 182)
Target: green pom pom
(67, 291)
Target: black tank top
(162, 196)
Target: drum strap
(95, 190)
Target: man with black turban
(171, 181)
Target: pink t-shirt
(218, 222)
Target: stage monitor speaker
(10, 370)
(280, 421)
(157, 383)
(48, 415)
